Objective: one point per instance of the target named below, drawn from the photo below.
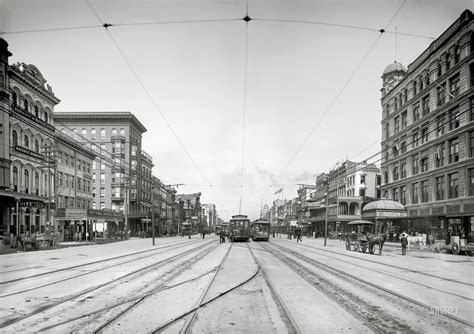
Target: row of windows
(423, 80)
(445, 187)
(66, 180)
(444, 153)
(27, 143)
(29, 185)
(68, 202)
(30, 107)
(68, 160)
(93, 133)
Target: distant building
(121, 174)
(428, 134)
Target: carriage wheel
(455, 248)
(364, 248)
(55, 242)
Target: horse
(378, 239)
(418, 239)
(26, 240)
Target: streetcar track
(89, 263)
(395, 276)
(357, 280)
(89, 272)
(388, 265)
(89, 290)
(136, 300)
(290, 322)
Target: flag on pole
(279, 191)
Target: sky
(233, 110)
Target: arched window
(84, 133)
(15, 178)
(27, 181)
(15, 99)
(37, 146)
(26, 105)
(46, 117)
(36, 111)
(122, 132)
(93, 133)
(26, 142)
(37, 181)
(74, 134)
(102, 133)
(114, 132)
(14, 138)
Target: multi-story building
(428, 134)
(189, 211)
(27, 102)
(317, 211)
(209, 216)
(118, 178)
(304, 193)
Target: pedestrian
(298, 235)
(404, 242)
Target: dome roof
(394, 67)
(384, 204)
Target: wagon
(46, 240)
(357, 240)
(456, 246)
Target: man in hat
(404, 242)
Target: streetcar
(260, 230)
(239, 228)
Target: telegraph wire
(137, 77)
(381, 32)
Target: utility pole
(326, 220)
(152, 216)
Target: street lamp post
(326, 220)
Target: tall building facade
(27, 143)
(121, 174)
(428, 134)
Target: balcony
(117, 197)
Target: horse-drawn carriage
(363, 239)
(38, 241)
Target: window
(440, 125)
(102, 192)
(36, 111)
(74, 134)
(403, 170)
(395, 150)
(102, 147)
(454, 85)
(122, 132)
(440, 188)
(471, 181)
(84, 133)
(424, 134)
(396, 122)
(471, 143)
(395, 194)
(387, 130)
(27, 181)
(102, 166)
(385, 177)
(404, 119)
(102, 205)
(395, 173)
(426, 105)
(454, 150)
(362, 179)
(102, 134)
(66, 180)
(424, 191)
(415, 165)
(102, 178)
(416, 112)
(403, 195)
(15, 138)
(60, 178)
(439, 155)
(134, 150)
(424, 164)
(441, 90)
(114, 132)
(453, 185)
(454, 117)
(403, 147)
(415, 138)
(26, 142)
(15, 178)
(93, 133)
(93, 147)
(14, 99)
(37, 146)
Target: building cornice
(101, 116)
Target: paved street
(200, 285)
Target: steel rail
(289, 320)
(89, 290)
(341, 273)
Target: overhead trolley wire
(346, 84)
(137, 77)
